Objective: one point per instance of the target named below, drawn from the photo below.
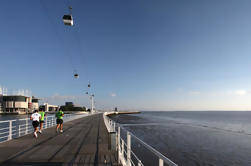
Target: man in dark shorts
(35, 117)
(60, 115)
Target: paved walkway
(84, 142)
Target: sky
(136, 54)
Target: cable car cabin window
(67, 17)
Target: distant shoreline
(25, 113)
(12, 113)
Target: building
(18, 104)
(47, 108)
(15, 103)
(69, 104)
(1, 103)
(35, 105)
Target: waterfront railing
(126, 154)
(10, 129)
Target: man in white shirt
(35, 117)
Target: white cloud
(240, 92)
(113, 94)
(195, 92)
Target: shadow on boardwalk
(84, 142)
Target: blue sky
(137, 54)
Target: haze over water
(204, 138)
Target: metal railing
(10, 129)
(124, 148)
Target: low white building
(18, 103)
(47, 107)
(15, 103)
(35, 105)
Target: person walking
(35, 117)
(42, 113)
(60, 115)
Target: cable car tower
(91, 98)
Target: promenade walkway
(84, 142)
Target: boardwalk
(84, 142)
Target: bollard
(10, 130)
(128, 149)
(161, 163)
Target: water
(13, 117)
(205, 138)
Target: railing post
(128, 149)
(139, 163)
(10, 130)
(114, 126)
(123, 149)
(26, 127)
(45, 126)
(19, 130)
(161, 163)
(118, 141)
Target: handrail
(23, 126)
(110, 124)
(157, 153)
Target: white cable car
(68, 19)
(76, 76)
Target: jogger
(42, 113)
(60, 115)
(35, 117)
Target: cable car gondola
(68, 19)
(76, 76)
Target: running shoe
(35, 134)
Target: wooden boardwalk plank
(84, 142)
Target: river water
(194, 138)
(13, 117)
